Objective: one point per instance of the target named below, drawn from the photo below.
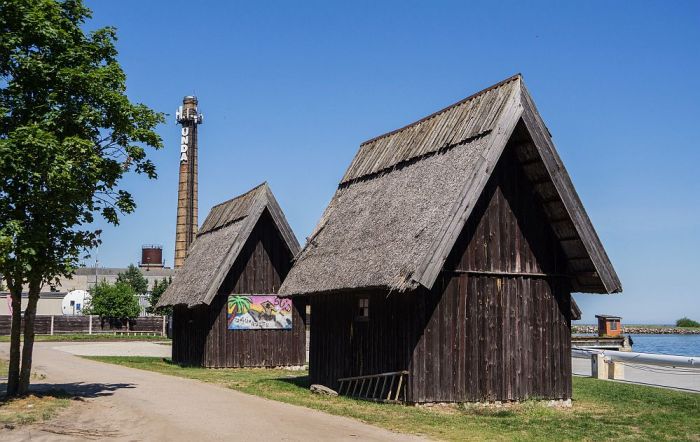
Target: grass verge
(601, 411)
(91, 338)
(31, 408)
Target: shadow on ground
(298, 381)
(76, 390)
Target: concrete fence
(54, 324)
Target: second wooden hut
(225, 309)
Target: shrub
(687, 322)
(113, 301)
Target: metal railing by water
(638, 358)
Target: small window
(613, 325)
(363, 309)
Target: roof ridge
(217, 228)
(264, 183)
(445, 109)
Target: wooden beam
(543, 180)
(509, 274)
(572, 203)
(530, 161)
(552, 199)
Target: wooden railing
(375, 387)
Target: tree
(113, 302)
(68, 134)
(687, 322)
(135, 279)
(159, 288)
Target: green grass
(602, 410)
(31, 408)
(98, 337)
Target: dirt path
(121, 403)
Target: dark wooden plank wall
(190, 328)
(506, 276)
(515, 342)
(341, 345)
(260, 269)
(475, 336)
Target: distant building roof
(608, 317)
(42, 295)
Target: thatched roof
(218, 243)
(407, 194)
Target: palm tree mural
(237, 305)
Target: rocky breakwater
(639, 330)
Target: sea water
(681, 345)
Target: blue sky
(290, 89)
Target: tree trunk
(15, 336)
(27, 349)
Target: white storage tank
(74, 302)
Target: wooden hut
(450, 250)
(226, 312)
(609, 325)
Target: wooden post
(164, 324)
(90, 325)
(51, 325)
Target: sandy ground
(119, 403)
(655, 376)
(116, 349)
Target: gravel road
(120, 403)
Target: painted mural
(255, 312)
